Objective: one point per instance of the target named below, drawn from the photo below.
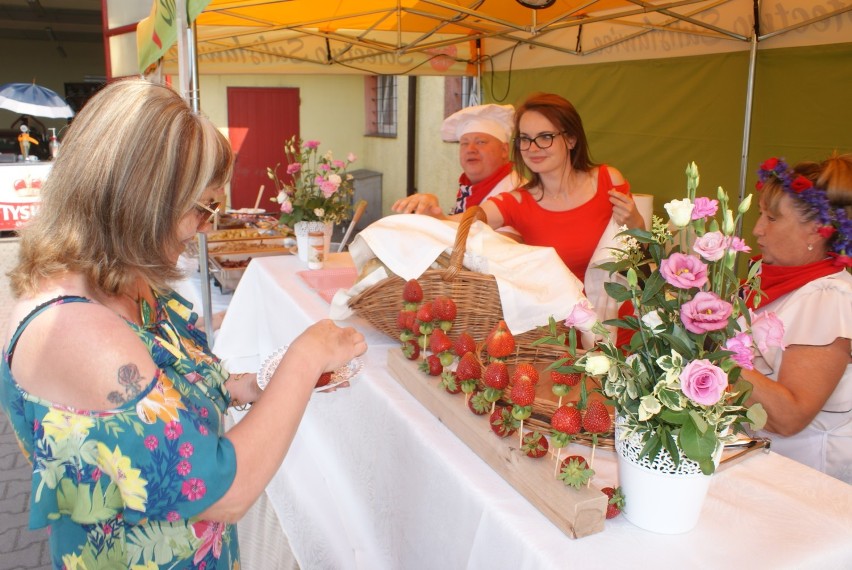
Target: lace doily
(343, 374)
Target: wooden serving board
(577, 513)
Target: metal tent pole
(752, 63)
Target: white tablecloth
(374, 481)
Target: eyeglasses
(542, 141)
(207, 211)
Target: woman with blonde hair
(805, 236)
(110, 386)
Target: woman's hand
(624, 210)
(329, 345)
(419, 204)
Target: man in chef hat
(483, 133)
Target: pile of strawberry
(424, 326)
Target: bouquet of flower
(677, 384)
(316, 188)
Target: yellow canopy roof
(458, 36)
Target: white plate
(343, 374)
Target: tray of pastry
(227, 269)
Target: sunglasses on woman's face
(208, 211)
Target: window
(460, 92)
(381, 102)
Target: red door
(260, 119)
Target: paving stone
(20, 548)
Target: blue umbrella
(35, 100)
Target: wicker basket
(475, 294)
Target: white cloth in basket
(533, 283)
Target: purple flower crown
(834, 224)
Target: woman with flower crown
(805, 235)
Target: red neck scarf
(778, 280)
(473, 194)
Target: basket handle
(469, 216)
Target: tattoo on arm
(131, 382)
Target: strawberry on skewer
(596, 421)
(423, 324)
(566, 422)
(412, 294)
(575, 471)
(563, 381)
(534, 444)
(500, 343)
(468, 373)
(445, 310)
(464, 343)
(523, 396)
(496, 378)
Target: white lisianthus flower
(335, 178)
(649, 406)
(319, 212)
(329, 156)
(680, 212)
(597, 364)
(652, 320)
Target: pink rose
(287, 207)
(582, 317)
(313, 145)
(294, 168)
(683, 271)
(704, 208)
(768, 331)
(711, 246)
(703, 382)
(705, 312)
(743, 353)
(351, 157)
(338, 164)
(328, 188)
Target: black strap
(36, 312)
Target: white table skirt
(374, 481)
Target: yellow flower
(61, 424)
(163, 402)
(126, 478)
(73, 562)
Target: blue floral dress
(123, 488)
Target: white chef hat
(495, 120)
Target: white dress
(817, 314)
